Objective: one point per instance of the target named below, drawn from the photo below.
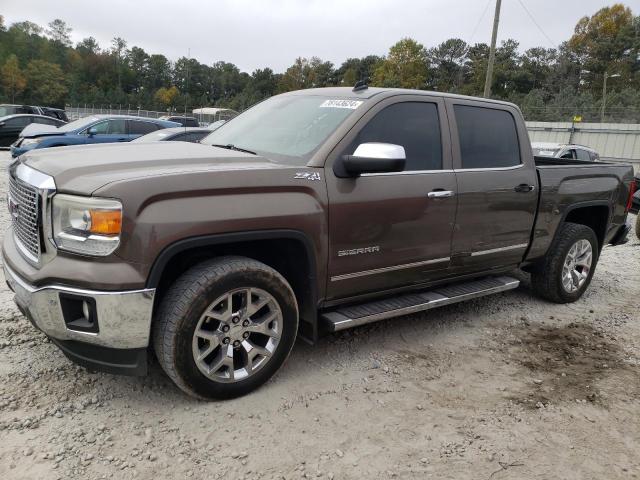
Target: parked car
(6, 109)
(184, 121)
(12, 125)
(55, 113)
(94, 129)
(568, 151)
(220, 254)
(176, 134)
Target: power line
(551, 42)
(475, 30)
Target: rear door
(384, 229)
(137, 128)
(497, 183)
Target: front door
(497, 186)
(385, 230)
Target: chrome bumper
(124, 318)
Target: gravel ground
(508, 386)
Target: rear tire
(225, 327)
(566, 271)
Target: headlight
(30, 141)
(86, 225)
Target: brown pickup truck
(311, 212)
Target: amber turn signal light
(106, 222)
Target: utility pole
(492, 51)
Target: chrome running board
(354, 315)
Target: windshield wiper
(233, 147)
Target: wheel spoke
(222, 315)
(253, 308)
(262, 326)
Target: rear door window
(18, 122)
(583, 155)
(117, 127)
(412, 125)
(141, 128)
(488, 137)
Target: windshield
(288, 128)
(77, 124)
(545, 152)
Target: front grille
(25, 213)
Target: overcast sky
(272, 33)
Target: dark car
(55, 113)
(88, 130)
(177, 134)
(12, 125)
(182, 120)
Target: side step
(352, 316)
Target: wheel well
(289, 256)
(594, 217)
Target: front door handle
(524, 188)
(440, 194)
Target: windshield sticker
(350, 104)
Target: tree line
(41, 66)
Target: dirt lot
(507, 386)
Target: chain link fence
(74, 112)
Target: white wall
(610, 140)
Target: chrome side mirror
(372, 158)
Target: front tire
(225, 327)
(567, 269)
(638, 225)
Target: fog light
(79, 312)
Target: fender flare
(310, 312)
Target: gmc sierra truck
(312, 212)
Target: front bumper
(118, 338)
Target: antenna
(187, 89)
(361, 84)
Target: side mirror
(373, 158)
(2, 124)
(92, 131)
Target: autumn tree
(607, 42)
(404, 67)
(12, 78)
(167, 96)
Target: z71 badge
(313, 176)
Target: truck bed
(567, 184)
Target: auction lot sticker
(350, 104)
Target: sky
(273, 33)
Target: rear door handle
(524, 188)
(440, 194)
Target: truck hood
(85, 168)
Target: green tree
(404, 67)
(59, 32)
(12, 78)
(45, 83)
